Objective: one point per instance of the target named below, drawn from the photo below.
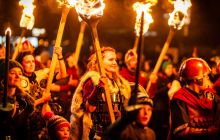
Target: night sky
(116, 26)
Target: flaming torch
(176, 22)
(5, 106)
(26, 22)
(143, 20)
(66, 4)
(8, 35)
(139, 8)
(91, 11)
(27, 18)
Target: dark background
(116, 26)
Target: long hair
(92, 61)
(93, 64)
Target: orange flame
(27, 18)
(8, 30)
(68, 3)
(179, 14)
(90, 8)
(139, 8)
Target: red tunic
(130, 76)
(192, 116)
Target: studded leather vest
(100, 116)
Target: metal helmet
(193, 68)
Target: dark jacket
(126, 129)
(16, 126)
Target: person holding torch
(90, 117)
(14, 123)
(34, 83)
(101, 95)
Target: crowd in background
(76, 100)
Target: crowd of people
(181, 103)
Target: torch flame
(179, 14)
(68, 3)
(8, 30)
(27, 19)
(139, 8)
(90, 8)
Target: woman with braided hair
(90, 118)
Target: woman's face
(28, 64)
(144, 115)
(63, 133)
(14, 77)
(109, 61)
